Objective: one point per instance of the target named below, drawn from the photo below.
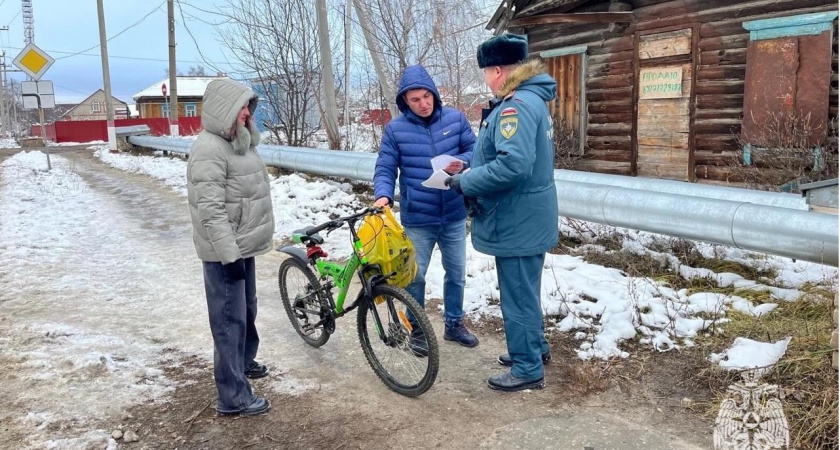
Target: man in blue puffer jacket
(427, 129)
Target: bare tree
(277, 45)
(197, 71)
(458, 32)
(441, 35)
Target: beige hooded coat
(227, 184)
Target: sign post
(35, 62)
(39, 95)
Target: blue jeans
(519, 285)
(232, 307)
(451, 239)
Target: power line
(71, 90)
(226, 20)
(121, 32)
(184, 23)
(114, 56)
(14, 17)
(206, 11)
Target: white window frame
(94, 107)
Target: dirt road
(128, 290)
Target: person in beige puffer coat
(233, 221)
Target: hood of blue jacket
(542, 85)
(416, 77)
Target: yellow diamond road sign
(33, 61)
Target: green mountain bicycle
(392, 327)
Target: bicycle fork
(396, 318)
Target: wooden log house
(674, 88)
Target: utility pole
(106, 78)
(327, 80)
(4, 95)
(4, 115)
(348, 10)
(173, 74)
(386, 83)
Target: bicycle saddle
(307, 236)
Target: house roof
(511, 9)
(69, 111)
(187, 87)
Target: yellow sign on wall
(660, 82)
(33, 61)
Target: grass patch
(688, 254)
(804, 373)
(631, 264)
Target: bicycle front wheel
(402, 351)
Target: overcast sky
(138, 56)
(138, 47)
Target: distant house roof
(73, 108)
(187, 87)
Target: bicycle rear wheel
(389, 350)
(299, 289)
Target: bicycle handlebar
(337, 223)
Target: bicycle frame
(342, 274)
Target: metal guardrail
(782, 200)
(132, 130)
(751, 220)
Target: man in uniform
(514, 201)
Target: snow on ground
(357, 137)
(9, 143)
(92, 294)
(171, 171)
(602, 306)
(75, 364)
(92, 357)
(749, 354)
(298, 200)
(70, 144)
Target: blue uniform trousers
(519, 283)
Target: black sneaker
(256, 370)
(507, 362)
(418, 344)
(460, 334)
(260, 405)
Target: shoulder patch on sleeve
(509, 112)
(508, 126)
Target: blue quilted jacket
(409, 143)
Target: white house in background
(151, 103)
(132, 112)
(95, 108)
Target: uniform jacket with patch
(512, 175)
